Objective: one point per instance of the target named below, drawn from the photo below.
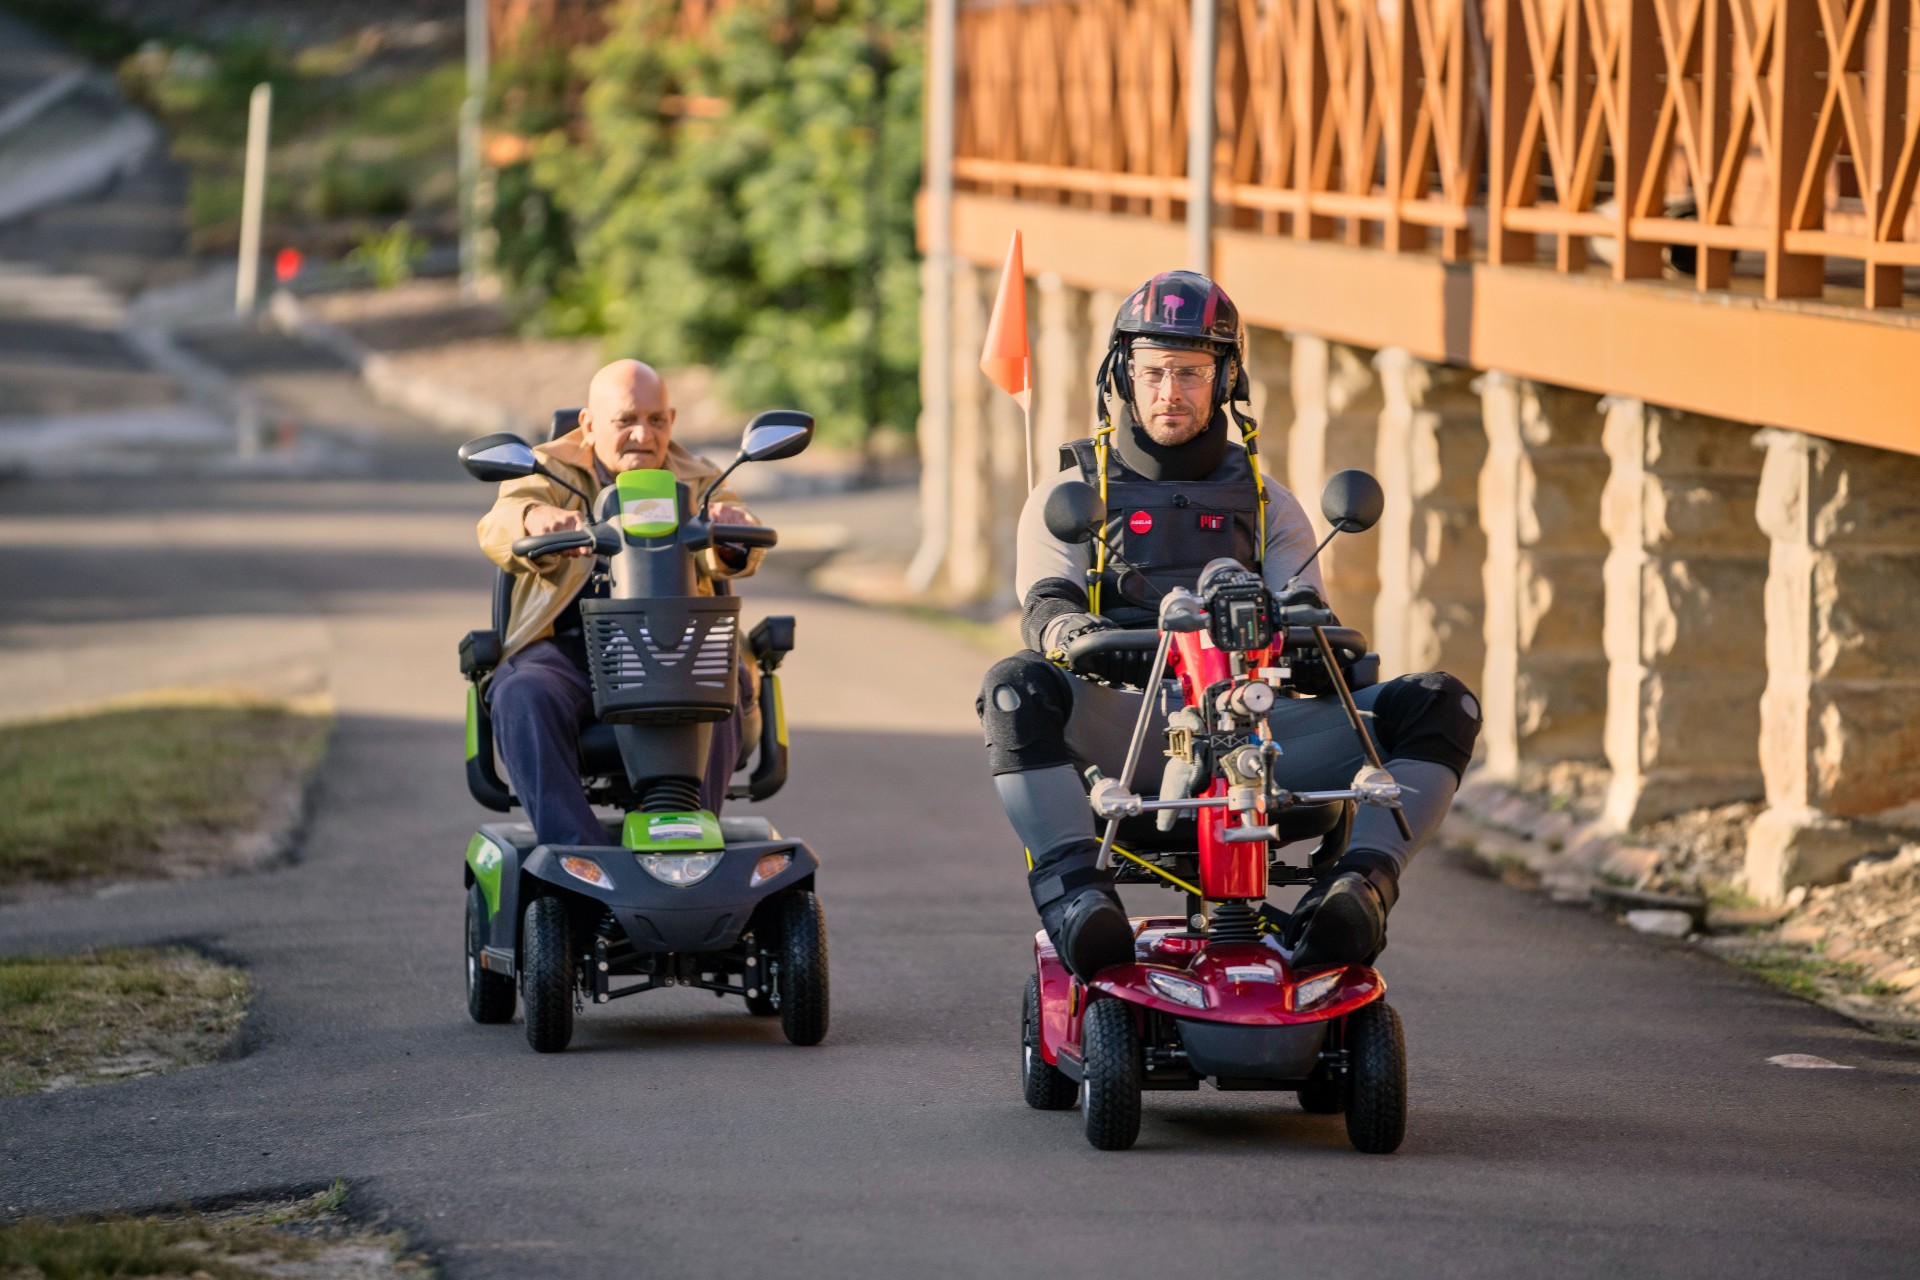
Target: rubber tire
(1324, 1095)
(1047, 1088)
(490, 996)
(546, 974)
(1110, 1096)
(803, 967)
(1377, 1079)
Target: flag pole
(1007, 357)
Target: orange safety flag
(1007, 359)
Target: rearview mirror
(1074, 512)
(777, 433)
(500, 456)
(1352, 501)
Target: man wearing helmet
(1179, 494)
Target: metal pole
(1200, 75)
(253, 198)
(472, 108)
(936, 330)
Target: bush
(742, 198)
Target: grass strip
(112, 1015)
(308, 1237)
(129, 792)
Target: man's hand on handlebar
(543, 518)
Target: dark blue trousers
(540, 702)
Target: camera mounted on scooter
(1239, 606)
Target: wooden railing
(1757, 145)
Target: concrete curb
(424, 398)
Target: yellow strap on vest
(1100, 434)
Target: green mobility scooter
(676, 896)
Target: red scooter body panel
(1227, 871)
(1234, 994)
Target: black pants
(540, 701)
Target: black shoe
(1094, 933)
(1348, 925)
(1081, 913)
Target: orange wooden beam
(1849, 375)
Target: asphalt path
(1585, 1101)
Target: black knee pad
(1023, 707)
(1428, 717)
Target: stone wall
(1685, 632)
(1840, 718)
(1544, 686)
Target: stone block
(1863, 747)
(1712, 717)
(1865, 622)
(1561, 709)
(1695, 515)
(1677, 442)
(1789, 847)
(1707, 613)
(1560, 502)
(1861, 497)
(1558, 605)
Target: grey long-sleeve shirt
(1039, 555)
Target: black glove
(1115, 668)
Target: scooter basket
(663, 660)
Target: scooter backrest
(564, 420)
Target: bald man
(539, 694)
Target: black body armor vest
(1169, 530)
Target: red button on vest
(1140, 522)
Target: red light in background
(286, 265)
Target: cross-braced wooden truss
(1701, 139)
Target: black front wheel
(1377, 1079)
(490, 995)
(1110, 1096)
(802, 982)
(1047, 1088)
(546, 974)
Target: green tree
(744, 198)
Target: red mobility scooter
(1213, 994)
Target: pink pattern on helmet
(1171, 304)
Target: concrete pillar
(1336, 418)
(1270, 380)
(1062, 383)
(1429, 450)
(970, 567)
(1544, 690)
(1840, 720)
(1684, 579)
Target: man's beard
(1173, 433)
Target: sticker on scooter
(649, 511)
(673, 827)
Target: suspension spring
(1234, 922)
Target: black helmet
(1183, 310)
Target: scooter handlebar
(535, 545)
(1095, 642)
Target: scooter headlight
(679, 869)
(1314, 990)
(1179, 990)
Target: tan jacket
(542, 589)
